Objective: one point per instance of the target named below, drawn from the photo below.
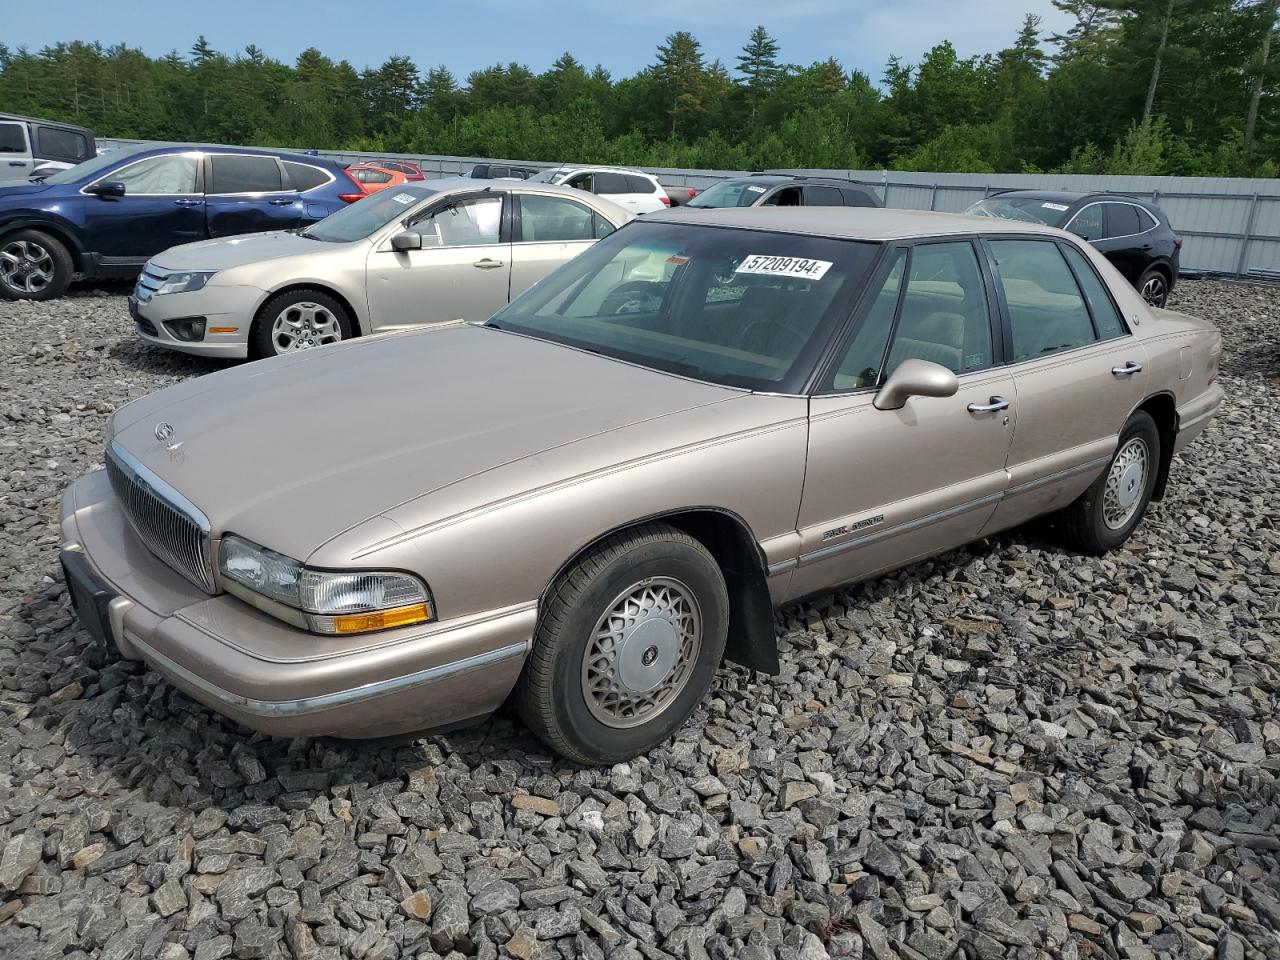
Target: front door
(15, 152)
(547, 232)
(885, 487)
(162, 207)
(247, 193)
(462, 272)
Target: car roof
(51, 123)
(576, 168)
(850, 223)
(143, 150)
(773, 179)
(471, 185)
(1067, 196)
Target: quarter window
(303, 176)
(174, 173)
(1046, 311)
(944, 316)
(242, 174)
(1122, 220)
(463, 223)
(861, 364)
(12, 138)
(551, 219)
(1106, 319)
(603, 226)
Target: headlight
(188, 282)
(328, 601)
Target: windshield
(366, 216)
(550, 176)
(93, 165)
(1027, 209)
(729, 193)
(743, 308)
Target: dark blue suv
(105, 217)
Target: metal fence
(1231, 225)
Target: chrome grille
(149, 281)
(171, 526)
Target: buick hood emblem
(164, 433)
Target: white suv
(631, 189)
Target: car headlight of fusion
(327, 601)
(188, 282)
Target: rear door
(546, 232)
(247, 193)
(1127, 238)
(462, 272)
(1077, 372)
(15, 152)
(618, 188)
(162, 207)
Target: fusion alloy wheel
(301, 326)
(641, 653)
(1126, 481)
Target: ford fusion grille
(170, 526)
(149, 281)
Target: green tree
(680, 72)
(758, 64)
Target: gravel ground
(1010, 751)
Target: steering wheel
(627, 297)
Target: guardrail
(1231, 225)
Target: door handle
(188, 203)
(1128, 370)
(991, 406)
(487, 264)
(17, 163)
(282, 201)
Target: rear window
(243, 174)
(303, 176)
(13, 139)
(57, 143)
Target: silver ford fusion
(421, 253)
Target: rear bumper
(268, 675)
(1195, 415)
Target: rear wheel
(34, 266)
(298, 320)
(1106, 514)
(626, 646)
(1154, 287)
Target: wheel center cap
(648, 653)
(1130, 485)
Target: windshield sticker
(754, 189)
(409, 198)
(784, 266)
(1060, 207)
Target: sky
(465, 35)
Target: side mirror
(915, 378)
(403, 242)
(108, 188)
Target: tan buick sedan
(587, 502)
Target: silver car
(420, 253)
(701, 418)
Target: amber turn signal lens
(382, 620)
(223, 329)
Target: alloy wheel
(1154, 291)
(1126, 482)
(642, 652)
(26, 266)
(301, 326)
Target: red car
(412, 172)
(373, 177)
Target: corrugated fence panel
(1226, 230)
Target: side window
(175, 173)
(857, 198)
(552, 219)
(1106, 319)
(583, 181)
(55, 143)
(303, 176)
(638, 184)
(499, 173)
(944, 317)
(1046, 311)
(1122, 220)
(818, 196)
(241, 174)
(602, 226)
(861, 364)
(464, 223)
(1087, 224)
(608, 184)
(786, 197)
(13, 138)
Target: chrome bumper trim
(325, 701)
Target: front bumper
(221, 306)
(266, 674)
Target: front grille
(149, 282)
(172, 528)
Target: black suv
(1133, 234)
(786, 190)
(500, 171)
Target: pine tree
(680, 70)
(1095, 28)
(758, 64)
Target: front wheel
(626, 646)
(34, 266)
(1106, 514)
(298, 320)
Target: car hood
(227, 252)
(14, 190)
(293, 451)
